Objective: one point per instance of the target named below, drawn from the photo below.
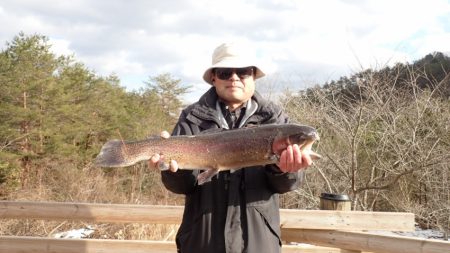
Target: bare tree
(385, 141)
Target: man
(236, 211)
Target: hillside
(385, 134)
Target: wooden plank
(91, 212)
(13, 244)
(347, 220)
(350, 251)
(307, 219)
(366, 241)
(307, 248)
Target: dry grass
(137, 185)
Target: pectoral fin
(206, 176)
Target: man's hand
(292, 159)
(157, 158)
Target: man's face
(234, 85)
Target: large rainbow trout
(213, 151)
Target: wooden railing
(330, 231)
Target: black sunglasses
(226, 73)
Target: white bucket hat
(230, 55)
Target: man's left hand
(292, 159)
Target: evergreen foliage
(55, 109)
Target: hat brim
(231, 63)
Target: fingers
(173, 166)
(298, 161)
(287, 159)
(283, 164)
(154, 160)
(292, 159)
(165, 134)
(157, 161)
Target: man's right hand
(157, 158)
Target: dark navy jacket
(236, 211)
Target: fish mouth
(316, 136)
(307, 148)
(304, 141)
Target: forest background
(385, 138)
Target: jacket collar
(206, 109)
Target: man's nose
(234, 76)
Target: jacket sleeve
(182, 181)
(282, 182)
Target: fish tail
(112, 155)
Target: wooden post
(338, 202)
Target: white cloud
(61, 47)
(311, 40)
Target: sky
(299, 43)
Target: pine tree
(26, 75)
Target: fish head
(303, 136)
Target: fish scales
(222, 150)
